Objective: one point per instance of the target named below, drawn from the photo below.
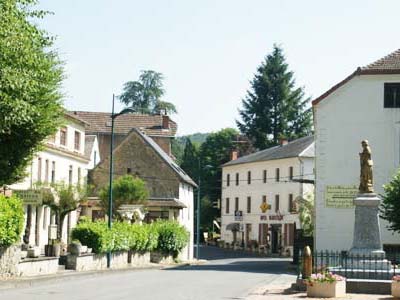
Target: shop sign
(264, 207)
(263, 218)
(238, 215)
(30, 197)
(339, 196)
(276, 218)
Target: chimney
(283, 141)
(234, 154)
(165, 122)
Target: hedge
(163, 236)
(11, 220)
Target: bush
(172, 237)
(11, 220)
(95, 235)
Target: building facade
(364, 106)
(260, 193)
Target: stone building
(363, 106)
(259, 193)
(170, 188)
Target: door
(248, 232)
(275, 238)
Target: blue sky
(209, 50)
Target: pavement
(223, 274)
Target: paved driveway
(227, 275)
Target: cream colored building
(365, 105)
(66, 158)
(275, 176)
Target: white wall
(94, 155)
(186, 217)
(257, 188)
(351, 114)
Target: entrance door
(263, 234)
(275, 238)
(248, 231)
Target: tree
(273, 107)
(145, 94)
(190, 159)
(30, 79)
(11, 220)
(126, 190)
(306, 214)
(390, 207)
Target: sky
(209, 50)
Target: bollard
(307, 262)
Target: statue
(366, 180)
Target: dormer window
(63, 136)
(392, 95)
(77, 140)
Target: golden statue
(366, 179)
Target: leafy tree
(11, 220)
(145, 94)
(306, 214)
(390, 207)
(273, 107)
(190, 160)
(30, 79)
(126, 190)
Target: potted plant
(326, 285)
(56, 248)
(396, 286)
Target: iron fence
(353, 265)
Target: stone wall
(9, 259)
(161, 258)
(38, 266)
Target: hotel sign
(30, 197)
(339, 196)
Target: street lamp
(198, 211)
(110, 190)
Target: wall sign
(238, 215)
(340, 196)
(276, 217)
(30, 197)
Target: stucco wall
(186, 218)
(353, 113)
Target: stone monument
(367, 233)
(132, 212)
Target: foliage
(95, 235)
(30, 79)
(390, 207)
(273, 107)
(190, 160)
(145, 94)
(324, 277)
(306, 214)
(11, 220)
(126, 190)
(179, 143)
(172, 237)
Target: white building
(63, 160)
(269, 176)
(365, 105)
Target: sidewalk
(280, 289)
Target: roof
(390, 64)
(167, 159)
(100, 122)
(75, 118)
(89, 142)
(171, 203)
(300, 147)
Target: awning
(233, 226)
(165, 203)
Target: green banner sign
(339, 196)
(32, 197)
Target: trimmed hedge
(11, 220)
(163, 236)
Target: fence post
(307, 262)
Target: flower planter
(326, 289)
(396, 289)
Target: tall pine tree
(190, 160)
(274, 107)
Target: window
(249, 177)
(248, 205)
(264, 199)
(227, 206)
(276, 203)
(70, 175)
(53, 172)
(39, 173)
(79, 176)
(128, 171)
(237, 178)
(77, 140)
(63, 136)
(95, 158)
(46, 171)
(265, 176)
(290, 204)
(228, 179)
(290, 173)
(277, 176)
(236, 204)
(392, 95)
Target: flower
(325, 277)
(396, 278)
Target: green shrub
(11, 220)
(172, 237)
(95, 235)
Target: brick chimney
(234, 154)
(165, 122)
(283, 141)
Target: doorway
(275, 237)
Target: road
(226, 275)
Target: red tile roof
(390, 64)
(100, 122)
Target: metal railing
(353, 266)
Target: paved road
(227, 275)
